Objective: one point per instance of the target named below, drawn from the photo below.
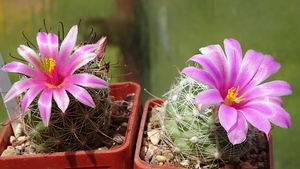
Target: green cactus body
(193, 134)
(79, 128)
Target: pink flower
(235, 88)
(51, 73)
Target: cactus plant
(217, 109)
(64, 93)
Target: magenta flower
(235, 89)
(51, 73)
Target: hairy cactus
(195, 135)
(80, 127)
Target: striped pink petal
(48, 44)
(45, 104)
(30, 56)
(87, 80)
(80, 94)
(67, 45)
(21, 68)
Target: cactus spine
(193, 132)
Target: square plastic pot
(141, 164)
(120, 157)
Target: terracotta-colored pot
(120, 157)
(141, 164)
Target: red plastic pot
(120, 157)
(141, 164)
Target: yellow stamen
(51, 86)
(48, 65)
(232, 96)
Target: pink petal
(249, 67)
(87, 80)
(267, 68)
(48, 44)
(209, 66)
(275, 100)
(238, 132)
(209, 97)
(257, 119)
(19, 87)
(227, 116)
(45, 104)
(72, 67)
(67, 45)
(21, 68)
(217, 56)
(30, 96)
(273, 88)
(272, 111)
(234, 55)
(200, 75)
(80, 57)
(61, 98)
(30, 56)
(80, 94)
(267, 99)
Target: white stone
(10, 152)
(12, 139)
(154, 136)
(185, 162)
(19, 130)
(21, 138)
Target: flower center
(51, 86)
(232, 96)
(48, 65)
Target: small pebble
(21, 138)
(103, 148)
(19, 130)
(157, 151)
(168, 154)
(118, 138)
(12, 139)
(185, 162)
(20, 147)
(149, 152)
(145, 141)
(160, 158)
(143, 151)
(10, 152)
(29, 150)
(154, 136)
